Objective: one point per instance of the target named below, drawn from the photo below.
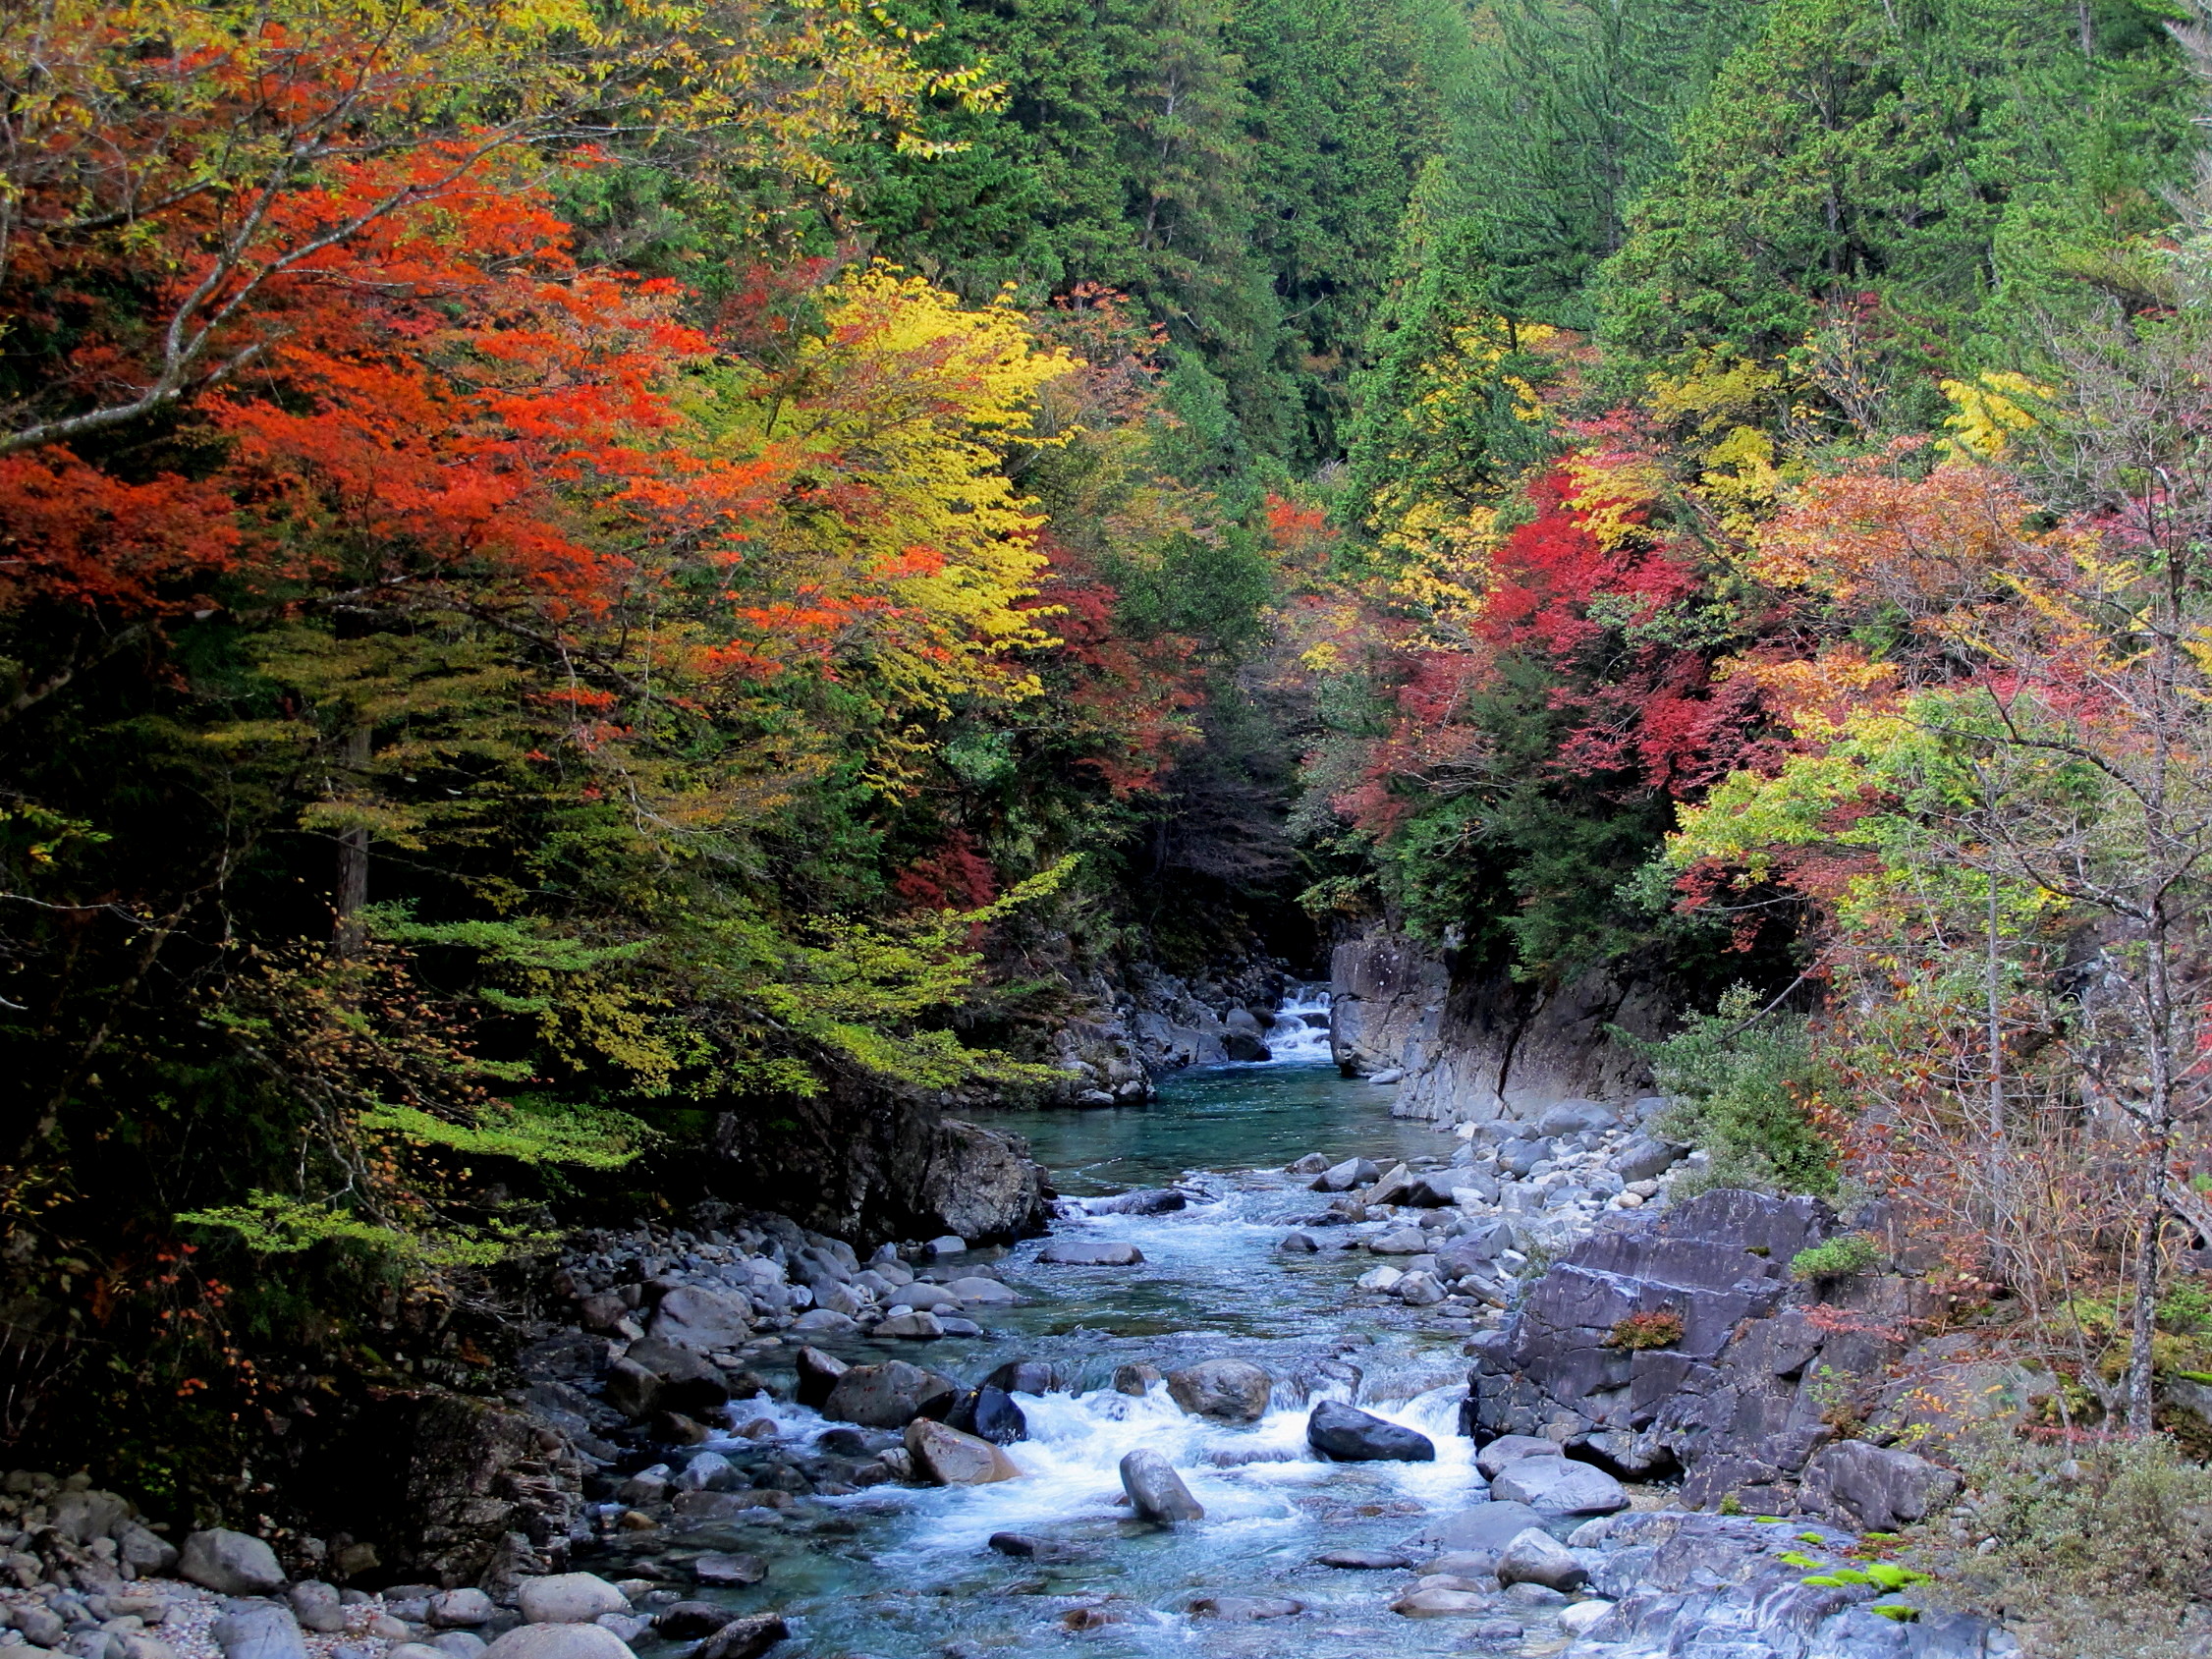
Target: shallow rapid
(902, 1572)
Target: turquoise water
(899, 1573)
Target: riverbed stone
(460, 1610)
(230, 1563)
(695, 1316)
(889, 1396)
(1156, 1491)
(558, 1641)
(568, 1598)
(688, 1621)
(1559, 1486)
(990, 1414)
(259, 1631)
(1576, 1620)
(1297, 1243)
(919, 1326)
(732, 1570)
(1364, 1561)
(1226, 1391)
(1136, 1379)
(1026, 1376)
(1403, 1241)
(1418, 1289)
(1380, 1279)
(1646, 1157)
(1091, 1252)
(1311, 1164)
(1344, 1177)
(817, 1376)
(1533, 1555)
(976, 1292)
(1441, 1603)
(949, 1458)
(1349, 1435)
(1484, 1529)
(1149, 1200)
(1511, 1449)
(824, 1322)
(1877, 1487)
(1244, 1609)
(316, 1606)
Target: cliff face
(1477, 1046)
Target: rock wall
(1142, 1022)
(1473, 1047)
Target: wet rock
(825, 1322)
(1344, 1177)
(695, 1316)
(949, 1458)
(1297, 1244)
(1559, 1486)
(990, 1414)
(1136, 1379)
(1226, 1391)
(687, 1382)
(1351, 1436)
(1483, 1531)
(1876, 1487)
(1391, 1187)
(462, 1609)
(230, 1563)
(889, 1396)
(259, 1631)
(1434, 1191)
(1384, 1079)
(1092, 1252)
(1382, 1279)
(1404, 1241)
(1363, 1561)
(1151, 1201)
(568, 1598)
(922, 1326)
(1155, 1491)
(982, 1184)
(1244, 1609)
(1647, 1156)
(1439, 1603)
(688, 1621)
(1418, 1289)
(1533, 1555)
(817, 1376)
(1511, 1449)
(1311, 1164)
(558, 1641)
(41, 1625)
(1027, 1546)
(1578, 1620)
(982, 1293)
(1517, 1157)
(745, 1638)
(729, 1572)
(924, 1299)
(1026, 1376)
(709, 1470)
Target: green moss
(1892, 1610)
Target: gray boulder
(460, 1610)
(568, 1598)
(148, 1553)
(1434, 1191)
(1511, 1449)
(1344, 1177)
(982, 1184)
(1092, 1252)
(1348, 1435)
(1418, 1289)
(230, 1564)
(1559, 1486)
(1481, 1532)
(744, 1639)
(558, 1641)
(729, 1571)
(1533, 1555)
(1155, 1491)
(1517, 1157)
(1151, 1201)
(889, 1396)
(817, 1376)
(1404, 1241)
(1576, 1117)
(693, 1316)
(459, 1644)
(685, 1380)
(982, 1293)
(952, 1459)
(316, 1606)
(1647, 1156)
(1227, 1391)
(259, 1631)
(924, 1326)
(1026, 1376)
(1876, 1487)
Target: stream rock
(1089, 1252)
(1344, 1177)
(693, 1316)
(1156, 1201)
(1880, 1488)
(1155, 1491)
(1351, 1436)
(259, 1631)
(1026, 1376)
(889, 1396)
(568, 1598)
(990, 1414)
(558, 1641)
(1533, 1555)
(1226, 1391)
(1558, 1486)
(952, 1459)
(230, 1563)
(745, 1638)
(817, 1376)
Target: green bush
(1842, 1255)
(1742, 1089)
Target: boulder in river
(1364, 1561)
(687, 1382)
(1435, 1189)
(918, 1326)
(230, 1563)
(1533, 1555)
(889, 1396)
(982, 1184)
(693, 1316)
(1155, 1491)
(1403, 1241)
(977, 1292)
(568, 1598)
(990, 1414)
(1559, 1486)
(1297, 1244)
(1511, 1449)
(817, 1376)
(1226, 1391)
(1026, 1376)
(744, 1639)
(1418, 1289)
(952, 1459)
(1576, 1117)
(1150, 1200)
(1311, 1164)
(1482, 1531)
(1391, 1187)
(1344, 1177)
(688, 1621)
(733, 1571)
(1092, 1252)
(259, 1631)
(1136, 1379)
(1349, 1435)
(1439, 1602)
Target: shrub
(1744, 1091)
(1660, 1328)
(1845, 1254)
(2103, 1546)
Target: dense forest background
(569, 568)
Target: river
(901, 1573)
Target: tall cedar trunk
(352, 854)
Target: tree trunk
(353, 856)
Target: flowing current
(896, 1572)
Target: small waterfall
(1300, 1035)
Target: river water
(897, 1572)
